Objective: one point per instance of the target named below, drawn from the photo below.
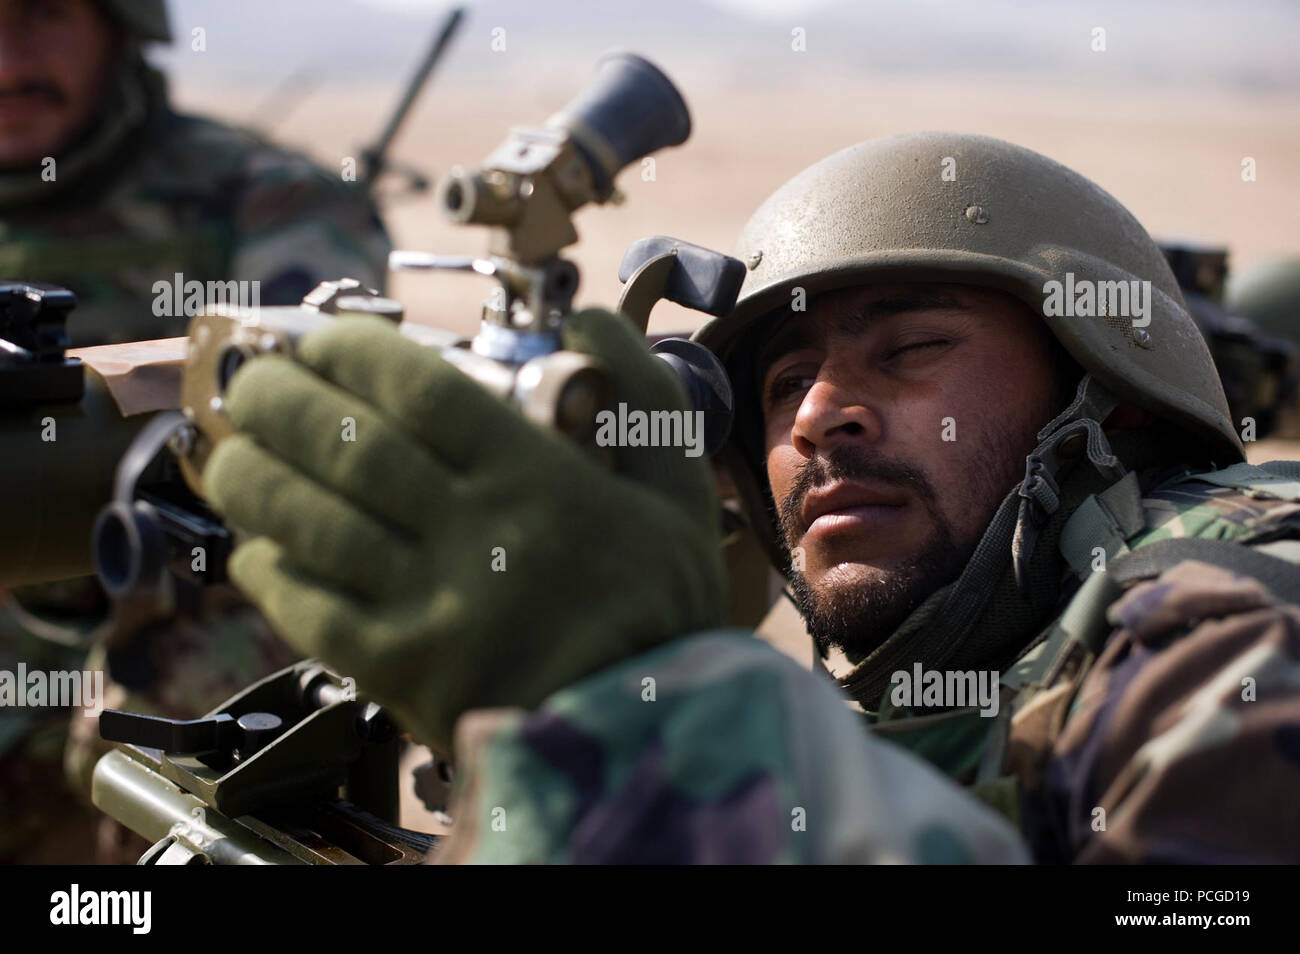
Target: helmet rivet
(755, 259)
(1141, 336)
(976, 214)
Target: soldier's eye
(784, 386)
(916, 346)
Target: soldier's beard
(857, 610)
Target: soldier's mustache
(846, 463)
(34, 88)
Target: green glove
(454, 555)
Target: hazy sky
(1203, 43)
(1161, 118)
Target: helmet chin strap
(1078, 427)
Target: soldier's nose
(830, 416)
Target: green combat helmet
(952, 207)
(1269, 295)
(143, 19)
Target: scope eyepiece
(627, 110)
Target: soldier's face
(896, 419)
(56, 57)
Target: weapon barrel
(375, 155)
(152, 806)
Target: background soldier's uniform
(149, 195)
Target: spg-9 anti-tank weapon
(248, 766)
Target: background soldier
(136, 193)
(106, 190)
(1258, 364)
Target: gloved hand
(380, 555)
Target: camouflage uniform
(146, 196)
(739, 741)
(1148, 641)
(741, 758)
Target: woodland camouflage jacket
(1160, 723)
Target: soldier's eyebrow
(794, 334)
(888, 307)
(791, 337)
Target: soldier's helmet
(953, 207)
(142, 19)
(1269, 295)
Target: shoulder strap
(1070, 645)
(1276, 478)
(1278, 574)
(1111, 519)
(1084, 620)
(1106, 520)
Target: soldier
(980, 435)
(106, 190)
(1258, 367)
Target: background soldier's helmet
(1269, 295)
(951, 207)
(1258, 366)
(143, 19)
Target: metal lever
(220, 733)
